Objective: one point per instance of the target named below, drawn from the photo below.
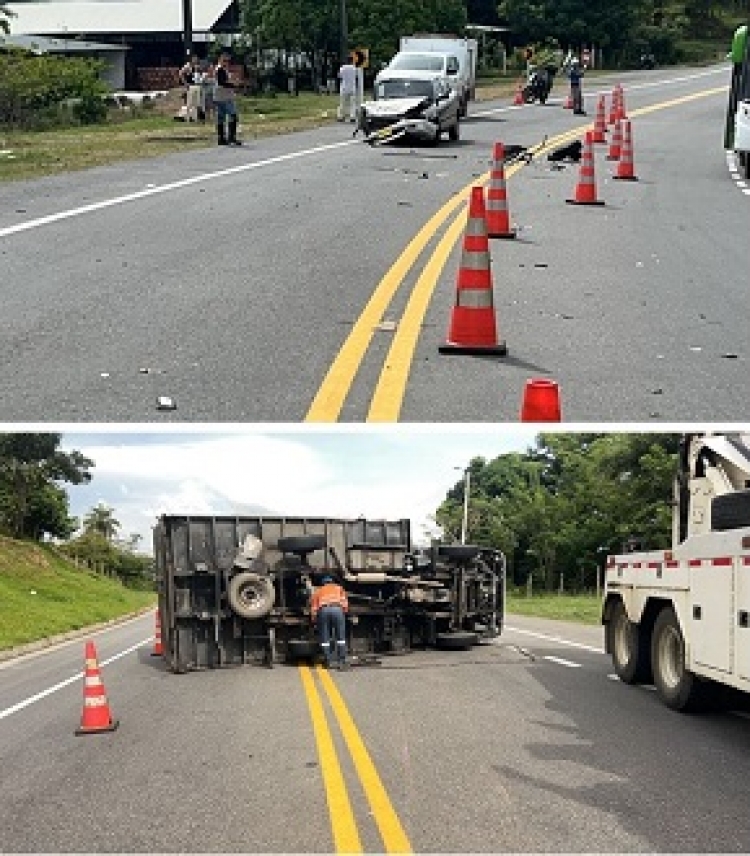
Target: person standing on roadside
(575, 74)
(224, 102)
(347, 92)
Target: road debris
(164, 402)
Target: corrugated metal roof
(111, 16)
(45, 44)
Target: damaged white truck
(680, 618)
(236, 590)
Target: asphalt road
(527, 745)
(312, 277)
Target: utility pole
(465, 519)
(344, 32)
(187, 27)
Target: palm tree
(100, 519)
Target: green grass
(42, 595)
(582, 608)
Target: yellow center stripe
(393, 834)
(343, 824)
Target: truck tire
(460, 640)
(301, 649)
(630, 654)
(731, 511)
(678, 688)
(454, 132)
(458, 552)
(302, 543)
(251, 595)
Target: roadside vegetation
(579, 608)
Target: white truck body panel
(707, 581)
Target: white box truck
(452, 57)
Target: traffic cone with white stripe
(615, 146)
(626, 166)
(600, 123)
(158, 647)
(498, 217)
(473, 327)
(518, 98)
(96, 715)
(614, 107)
(586, 187)
(568, 103)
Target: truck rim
(670, 657)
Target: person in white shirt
(347, 92)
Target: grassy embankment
(42, 594)
(581, 608)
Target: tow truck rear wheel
(630, 655)
(678, 688)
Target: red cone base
(541, 401)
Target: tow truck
(680, 618)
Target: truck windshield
(404, 89)
(417, 62)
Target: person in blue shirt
(575, 74)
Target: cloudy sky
(386, 473)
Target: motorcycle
(538, 86)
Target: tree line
(34, 505)
(560, 507)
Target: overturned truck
(236, 590)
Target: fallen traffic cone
(96, 714)
(615, 147)
(518, 98)
(473, 329)
(600, 123)
(158, 647)
(498, 217)
(626, 166)
(541, 401)
(586, 187)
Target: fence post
(528, 586)
(561, 584)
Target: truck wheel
(458, 552)
(302, 543)
(731, 511)
(628, 648)
(250, 595)
(677, 687)
(458, 641)
(454, 133)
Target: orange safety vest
(329, 594)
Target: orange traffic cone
(600, 123)
(626, 166)
(586, 187)
(621, 102)
(498, 217)
(96, 714)
(541, 401)
(615, 147)
(613, 107)
(518, 98)
(158, 647)
(568, 103)
(473, 329)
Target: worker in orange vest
(328, 609)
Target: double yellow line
(387, 400)
(343, 823)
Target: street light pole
(187, 27)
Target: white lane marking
(77, 677)
(556, 639)
(562, 662)
(163, 188)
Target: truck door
(742, 619)
(711, 608)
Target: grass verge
(42, 595)
(581, 608)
